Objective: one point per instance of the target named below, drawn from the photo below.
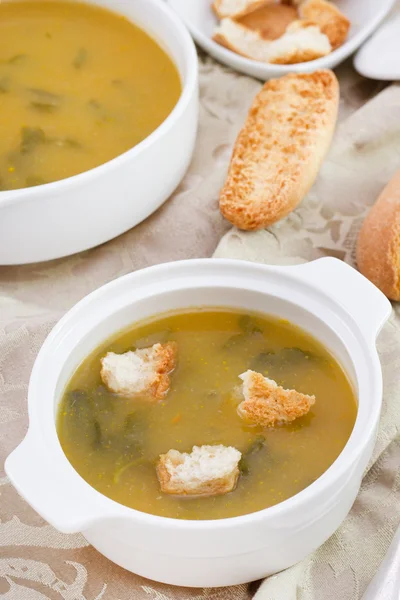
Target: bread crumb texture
(142, 372)
(237, 8)
(301, 42)
(267, 404)
(279, 151)
(331, 21)
(206, 471)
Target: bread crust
(294, 46)
(163, 358)
(166, 362)
(378, 245)
(271, 20)
(278, 153)
(296, 55)
(331, 21)
(213, 486)
(249, 6)
(267, 404)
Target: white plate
(379, 58)
(365, 16)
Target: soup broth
(114, 442)
(79, 85)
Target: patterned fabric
(37, 562)
(364, 156)
(386, 583)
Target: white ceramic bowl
(365, 16)
(61, 218)
(327, 298)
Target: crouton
(278, 152)
(329, 19)
(143, 372)
(237, 8)
(206, 471)
(267, 404)
(301, 42)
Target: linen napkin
(37, 562)
(386, 583)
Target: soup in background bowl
(63, 217)
(80, 85)
(114, 441)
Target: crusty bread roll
(329, 19)
(237, 8)
(378, 247)
(301, 42)
(280, 149)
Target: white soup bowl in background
(327, 298)
(61, 218)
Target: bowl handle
(366, 304)
(66, 503)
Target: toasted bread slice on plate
(271, 20)
(237, 8)
(302, 42)
(201, 22)
(331, 21)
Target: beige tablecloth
(36, 562)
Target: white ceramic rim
(349, 455)
(325, 62)
(188, 89)
(371, 72)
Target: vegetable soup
(80, 85)
(115, 441)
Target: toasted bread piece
(267, 404)
(331, 21)
(270, 21)
(280, 149)
(206, 471)
(378, 247)
(237, 8)
(143, 372)
(301, 42)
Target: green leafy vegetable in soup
(80, 59)
(54, 86)
(115, 441)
